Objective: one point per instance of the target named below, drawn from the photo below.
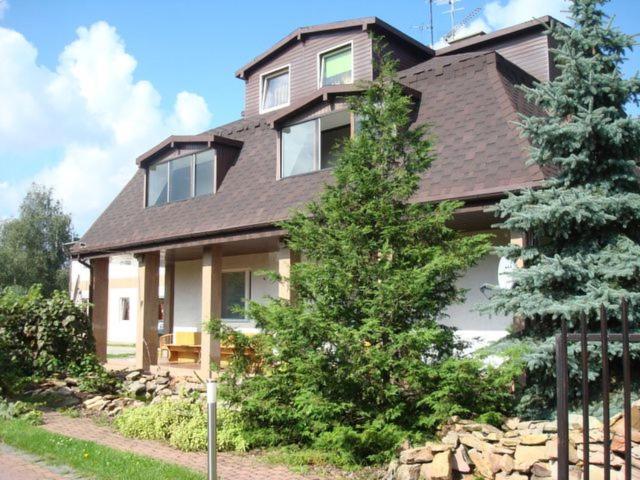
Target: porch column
(518, 238)
(99, 298)
(211, 305)
(286, 258)
(169, 286)
(147, 327)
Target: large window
(181, 178)
(274, 90)
(336, 67)
(235, 292)
(311, 146)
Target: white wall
(478, 328)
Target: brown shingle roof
(468, 99)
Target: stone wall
(520, 450)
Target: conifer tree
(584, 223)
(353, 363)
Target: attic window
(181, 178)
(336, 66)
(311, 146)
(274, 90)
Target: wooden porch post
(286, 258)
(147, 327)
(169, 286)
(211, 305)
(99, 297)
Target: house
(197, 222)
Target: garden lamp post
(211, 408)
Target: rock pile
(160, 384)
(521, 450)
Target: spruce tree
(352, 364)
(584, 223)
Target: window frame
(317, 160)
(247, 290)
(263, 84)
(192, 173)
(330, 50)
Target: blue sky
(87, 86)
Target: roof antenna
(451, 35)
(452, 9)
(429, 25)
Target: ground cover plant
(584, 223)
(358, 361)
(183, 424)
(88, 458)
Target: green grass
(121, 355)
(88, 458)
(118, 344)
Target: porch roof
(469, 100)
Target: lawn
(87, 458)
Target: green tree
(32, 245)
(584, 223)
(350, 364)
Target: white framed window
(335, 66)
(310, 146)
(236, 293)
(275, 89)
(181, 178)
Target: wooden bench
(181, 347)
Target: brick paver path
(16, 465)
(230, 466)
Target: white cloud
(91, 109)
(499, 14)
(4, 6)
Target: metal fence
(562, 366)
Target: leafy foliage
(32, 245)
(585, 222)
(40, 335)
(182, 423)
(19, 410)
(356, 362)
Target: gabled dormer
(186, 166)
(311, 59)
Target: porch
(201, 281)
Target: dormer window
(311, 146)
(336, 66)
(181, 178)
(274, 90)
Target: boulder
(527, 455)
(132, 376)
(506, 464)
(441, 467)
(472, 441)
(461, 461)
(439, 447)
(541, 470)
(512, 423)
(451, 438)
(416, 455)
(137, 388)
(483, 466)
(408, 472)
(162, 380)
(534, 439)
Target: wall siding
(303, 60)
(529, 52)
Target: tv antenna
(429, 25)
(464, 23)
(452, 9)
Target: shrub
(40, 335)
(21, 410)
(183, 424)
(93, 377)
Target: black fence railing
(562, 366)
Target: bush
(183, 424)
(93, 377)
(21, 410)
(40, 335)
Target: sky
(86, 86)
